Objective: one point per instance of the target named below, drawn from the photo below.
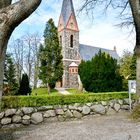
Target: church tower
(68, 32)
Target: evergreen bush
(101, 74)
(24, 88)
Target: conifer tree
(10, 82)
(24, 88)
(43, 63)
(51, 69)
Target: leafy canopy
(10, 82)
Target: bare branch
(123, 5)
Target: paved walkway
(114, 127)
(62, 91)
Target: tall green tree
(133, 68)
(125, 63)
(127, 68)
(51, 69)
(101, 74)
(24, 88)
(9, 75)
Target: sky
(100, 31)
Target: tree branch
(4, 3)
(12, 15)
(21, 10)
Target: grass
(44, 91)
(75, 91)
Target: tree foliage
(125, 63)
(24, 88)
(10, 82)
(128, 65)
(100, 74)
(133, 68)
(128, 68)
(51, 69)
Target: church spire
(67, 18)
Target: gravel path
(114, 127)
(62, 91)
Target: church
(72, 51)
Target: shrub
(100, 74)
(32, 101)
(24, 88)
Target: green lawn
(75, 91)
(44, 91)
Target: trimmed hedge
(32, 101)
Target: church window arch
(72, 70)
(71, 41)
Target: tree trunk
(2, 61)
(4, 3)
(135, 8)
(1, 74)
(138, 75)
(49, 89)
(36, 72)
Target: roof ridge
(87, 52)
(96, 47)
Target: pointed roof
(73, 64)
(66, 11)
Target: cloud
(107, 36)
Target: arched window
(71, 41)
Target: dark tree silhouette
(24, 88)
